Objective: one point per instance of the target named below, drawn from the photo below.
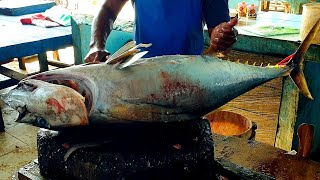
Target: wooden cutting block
(179, 150)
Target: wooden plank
(55, 55)
(11, 74)
(80, 44)
(287, 115)
(22, 63)
(43, 62)
(58, 64)
(251, 158)
(264, 5)
(32, 67)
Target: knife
(133, 59)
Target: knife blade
(133, 59)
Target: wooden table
(19, 41)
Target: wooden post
(287, 115)
(264, 5)
(56, 55)
(22, 63)
(43, 62)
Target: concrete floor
(18, 145)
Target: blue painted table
(21, 7)
(19, 41)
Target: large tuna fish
(160, 89)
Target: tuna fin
(122, 50)
(297, 62)
(300, 81)
(123, 56)
(129, 49)
(82, 145)
(210, 52)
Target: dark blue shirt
(176, 26)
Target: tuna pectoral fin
(300, 81)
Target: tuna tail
(296, 60)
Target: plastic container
(242, 9)
(252, 11)
(310, 15)
(231, 124)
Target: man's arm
(101, 27)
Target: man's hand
(223, 36)
(101, 28)
(96, 56)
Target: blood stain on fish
(55, 103)
(174, 88)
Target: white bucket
(310, 15)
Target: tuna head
(47, 105)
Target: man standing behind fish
(172, 26)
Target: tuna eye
(42, 122)
(26, 86)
